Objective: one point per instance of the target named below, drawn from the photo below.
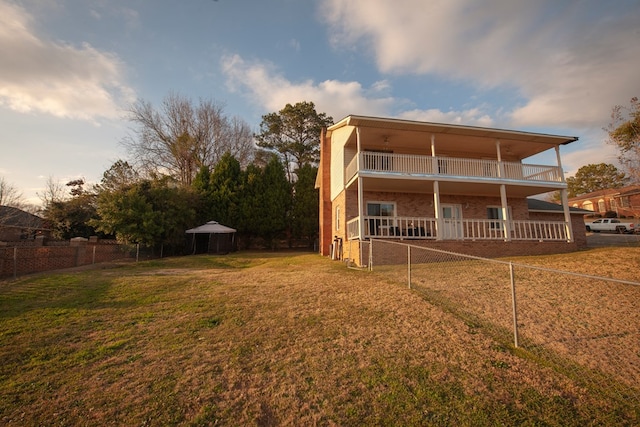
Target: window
(380, 225)
(381, 208)
(588, 206)
(624, 201)
(612, 203)
(337, 217)
(601, 206)
(495, 212)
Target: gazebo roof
(211, 227)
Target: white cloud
(294, 44)
(571, 61)
(593, 150)
(271, 91)
(472, 117)
(52, 77)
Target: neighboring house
(623, 201)
(16, 224)
(453, 187)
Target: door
(452, 222)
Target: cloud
(473, 117)
(592, 151)
(55, 78)
(570, 61)
(270, 90)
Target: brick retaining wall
(24, 260)
(394, 254)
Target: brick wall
(25, 260)
(395, 254)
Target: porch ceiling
(478, 188)
(450, 140)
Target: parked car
(612, 225)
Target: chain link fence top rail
(584, 326)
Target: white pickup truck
(610, 224)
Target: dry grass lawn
(265, 339)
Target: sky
(70, 68)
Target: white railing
(455, 229)
(353, 228)
(483, 229)
(399, 227)
(539, 230)
(410, 164)
(351, 169)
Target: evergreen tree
(305, 214)
(276, 201)
(225, 182)
(149, 212)
(250, 202)
(595, 177)
(294, 133)
(71, 216)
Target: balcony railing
(455, 229)
(411, 164)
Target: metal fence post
(371, 255)
(515, 306)
(15, 262)
(409, 266)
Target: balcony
(438, 166)
(387, 227)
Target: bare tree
(179, 138)
(624, 133)
(54, 191)
(9, 194)
(11, 203)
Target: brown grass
(594, 322)
(263, 339)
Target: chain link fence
(583, 326)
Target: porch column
(499, 156)
(434, 161)
(437, 210)
(506, 221)
(360, 190)
(564, 196)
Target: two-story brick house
(623, 201)
(460, 188)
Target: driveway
(612, 239)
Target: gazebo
(212, 238)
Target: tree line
(189, 164)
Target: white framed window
(495, 212)
(624, 201)
(337, 217)
(601, 206)
(381, 220)
(381, 208)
